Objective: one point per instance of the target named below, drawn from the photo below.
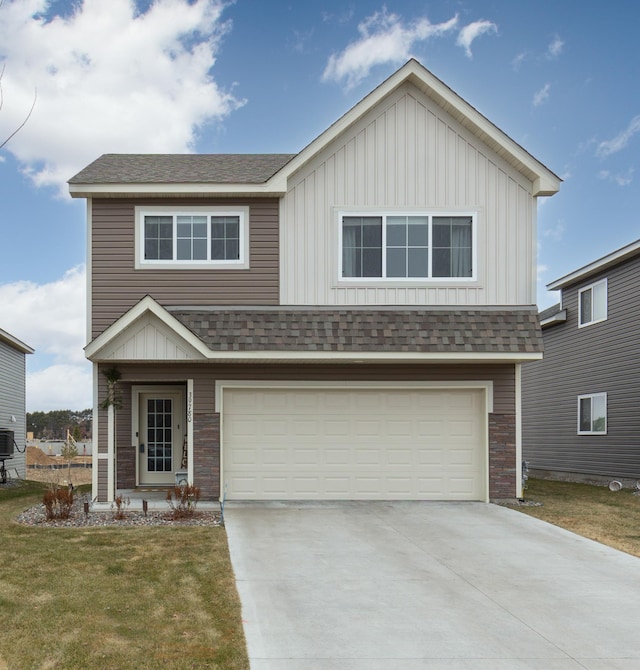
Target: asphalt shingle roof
(182, 169)
(363, 330)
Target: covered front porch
(155, 500)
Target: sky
(268, 76)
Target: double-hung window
(192, 237)
(592, 414)
(592, 303)
(407, 246)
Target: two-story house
(348, 322)
(581, 404)
(13, 422)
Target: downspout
(518, 464)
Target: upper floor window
(407, 246)
(192, 237)
(592, 303)
(592, 414)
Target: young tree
(69, 452)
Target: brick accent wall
(126, 468)
(502, 456)
(206, 454)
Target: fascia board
(357, 357)
(601, 264)
(147, 304)
(544, 181)
(271, 189)
(15, 342)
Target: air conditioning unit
(6, 443)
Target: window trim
(591, 288)
(189, 210)
(591, 396)
(404, 281)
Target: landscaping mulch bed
(36, 516)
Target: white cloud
(620, 141)
(384, 38)
(109, 78)
(555, 48)
(518, 60)
(621, 178)
(542, 95)
(51, 319)
(469, 33)
(59, 387)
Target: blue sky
(268, 76)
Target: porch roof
(440, 331)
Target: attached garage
(321, 443)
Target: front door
(161, 436)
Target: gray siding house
(345, 323)
(13, 398)
(581, 403)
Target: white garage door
(353, 444)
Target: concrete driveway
(382, 586)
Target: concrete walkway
(448, 586)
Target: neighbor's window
(186, 239)
(592, 301)
(398, 246)
(592, 414)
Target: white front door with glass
(161, 436)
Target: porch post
(190, 473)
(111, 461)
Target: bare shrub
(58, 502)
(183, 501)
(120, 503)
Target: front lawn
(592, 511)
(149, 597)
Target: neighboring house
(345, 323)
(13, 417)
(581, 404)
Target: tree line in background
(55, 424)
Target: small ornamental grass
(58, 502)
(183, 501)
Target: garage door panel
(353, 444)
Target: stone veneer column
(502, 456)
(206, 454)
(126, 468)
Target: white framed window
(407, 245)
(592, 303)
(191, 237)
(592, 414)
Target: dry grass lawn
(147, 597)
(591, 511)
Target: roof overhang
(15, 342)
(274, 189)
(604, 263)
(558, 317)
(544, 181)
(150, 333)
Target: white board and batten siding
(408, 153)
(354, 444)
